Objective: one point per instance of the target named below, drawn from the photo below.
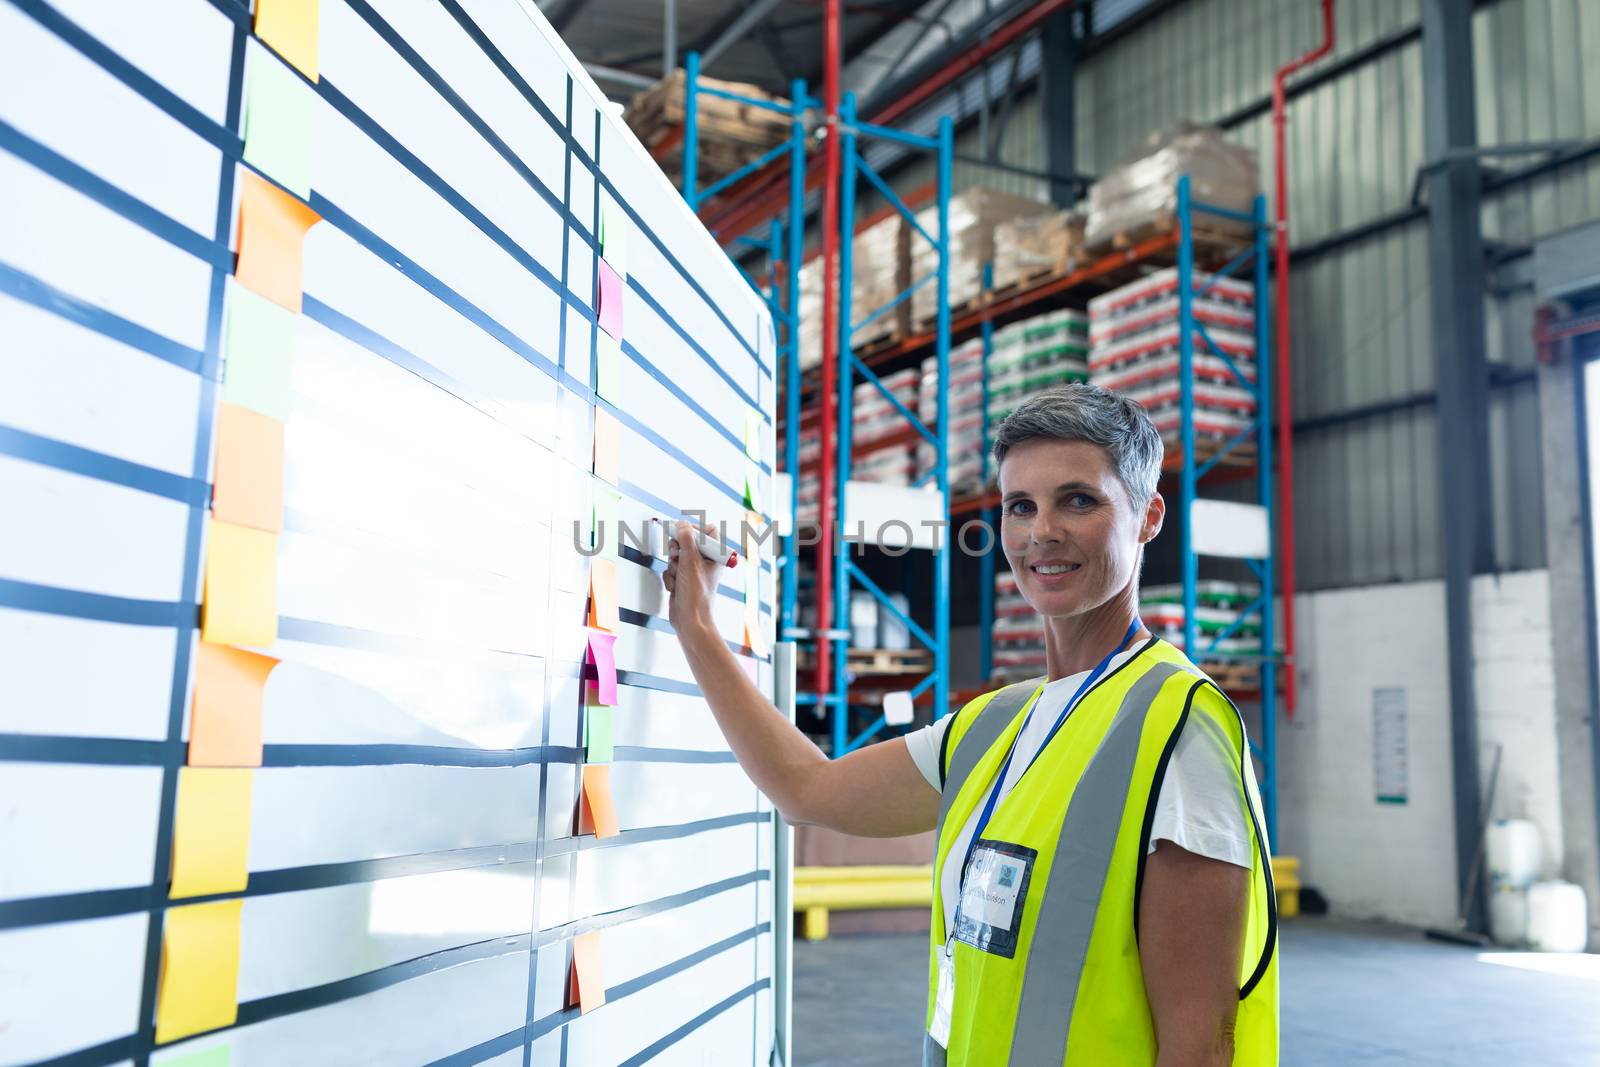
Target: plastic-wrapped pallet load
(1137, 198)
(1034, 247)
(1018, 633)
(965, 413)
(1134, 349)
(872, 419)
(1034, 356)
(974, 215)
(878, 274)
(732, 133)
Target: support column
(1457, 274)
(1058, 71)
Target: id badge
(993, 894)
(944, 1001)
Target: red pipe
(1280, 119)
(830, 338)
(758, 204)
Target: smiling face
(1068, 526)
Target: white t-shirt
(1200, 807)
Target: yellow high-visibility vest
(1071, 990)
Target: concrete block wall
(1397, 861)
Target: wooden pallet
(1213, 245)
(888, 661)
(1243, 454)
(1234, 677)
(1032, 279)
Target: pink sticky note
(602, 653)
(752, 669)
(610, 301)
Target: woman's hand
(691, 579)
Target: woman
(1103, 890)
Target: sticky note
(752, 484)
(610, 300)
(292, 28)
(586, 990)
(751, 668)
(597, 814)
(277, 124)
(755, 535)
(754, 635)
(211, 831)
(614, 236)
(607, 446)
(241, 587)
(229, 688)
(602, 654)
(599, 734)
(215, 1056)
(752, 434)
(603, 614)
(257, 353)
(272, 235)
(248, 486)
(198, 989)
(608, 522)
(608, 368)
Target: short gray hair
(1084, 412)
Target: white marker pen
(715, 551)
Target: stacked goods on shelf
(1034, 247)
(1034, 356)
(1018, 633)
(1137, 198)
(878, 274)
(873, 418)
(732, 133)
(1133, 349)
(973, 217)
(1218, 606)
(965, 413)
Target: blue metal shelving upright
(852, 368)
(1259, 433)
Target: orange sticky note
(241, 588)
(607, 442)
(597, 814)
(211, 831)
(586, 989)
(225, 725)
(272, 237)
(603, 595)
(199, 985)
(292, 28)
(248, 488)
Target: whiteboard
(416, 880)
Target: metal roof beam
(747, 21)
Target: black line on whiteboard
(656, 1049)
(102, 607)
(75, 459)
(566, 846)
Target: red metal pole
(830, 337)
(1280, 119)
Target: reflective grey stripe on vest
(1077, 875)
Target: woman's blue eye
(1020, 507)
(1081, 500)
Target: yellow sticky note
(607, 442)
(241, 588)
(292, 28)
(603, 595)
(754, 636)
(211, 831)
(272, 237)
(225, 725)
(248, 487)
(199, 985)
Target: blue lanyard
(1000, 779)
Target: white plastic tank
(1515, 852)
(1558, 917)
(1508, 915)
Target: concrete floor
(1376, 996)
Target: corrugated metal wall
(1366, 490)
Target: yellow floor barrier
(819, 890)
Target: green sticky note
(599, 734)
(277, 124)
(752, 485)
(614, 237)
(257, 353)
(215, 1056)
